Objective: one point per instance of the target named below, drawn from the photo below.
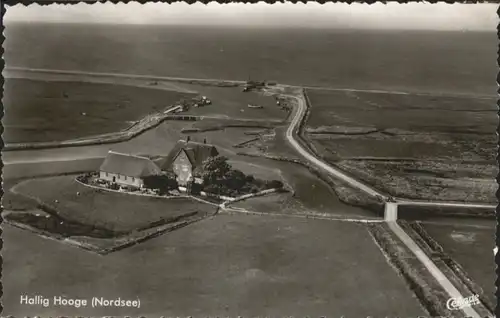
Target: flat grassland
(37, 111)
(310, 195)
(413, 146)
(113, 211)
(445, 181)
(229, 265)
(472, 248)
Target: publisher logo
(459, 302)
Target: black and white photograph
(249, 160)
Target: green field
(37, 111)
(224, 266)
(413, 146)
(113, 211)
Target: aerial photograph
(249, 160)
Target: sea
(414, 61)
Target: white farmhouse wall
(121, 179)
(182, 169)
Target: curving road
(300, 113)
(290, 135)
(438, 275)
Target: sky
(413, 16)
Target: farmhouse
(127, 170)
(186, 159)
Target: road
(300, 113)
(396, 229)
(290, 135)
(446, 204)
(432, 268)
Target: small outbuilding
(126, 169)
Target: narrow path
(300, 113)
(305, 153)
(314, 216)
(485, 224)
(398, 231)
(431, 267)
(446, 204)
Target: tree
(235, 180)
(163, 183)
(196, 188)
(215, 169)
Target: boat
(255, 106)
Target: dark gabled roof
(129, 165)
(196, 152)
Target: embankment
(143, 125)
(447, 264)
(426, 288)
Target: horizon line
(269, 26)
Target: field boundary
(399, 200)
(139, 235)
(432, 268)
(430, 300)
(129, 192)
(243, 143)
(436, 250)
(132, 237)
(313, 216)
(226, 199)
(375, 206)
(130, 241)
(443, 284)
(146, 123)
(250, 195)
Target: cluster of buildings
(185, 161)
